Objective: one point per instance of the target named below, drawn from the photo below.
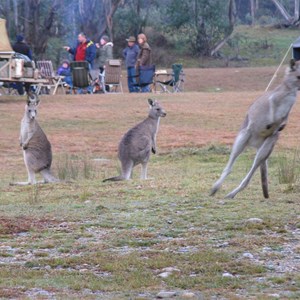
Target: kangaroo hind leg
(144, 170)
(261, 156)
(127, 168)
(48, 177)
(238, 147)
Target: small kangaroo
(265, 119)
(136, 145)
(36, 147)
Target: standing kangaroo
(266, 117)
(136, 145)
(36, 147)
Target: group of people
(137, 54)
(97, 54)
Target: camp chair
(173, 85)
(111, 76)
(145, 76)
(46, 71)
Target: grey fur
(266, 117)
(36, 147)
(138, 143)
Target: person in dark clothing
(21, 46)
(144, 57)
(130, 53)
(85, 50)
(65, 70)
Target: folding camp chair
(81, 76)
(46, 71)
(111, 76)
(145, 76)
(173, 85)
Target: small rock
(223, 245)
(274, 295)
(83, 270)
(170, 269)
(87, 201)
(63, 224)
(162, 295)
(164, 274)
(226, 274)
(188, 295)
(248, 255)
(255, 221)
(169, 221)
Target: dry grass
(87, 239)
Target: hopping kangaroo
(136, 145)
(266, 117)
(36, 147)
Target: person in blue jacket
(85, 49)
(130, 53)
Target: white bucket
(19, 68)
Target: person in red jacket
(85, 49)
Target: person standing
(85, 49)
(22, 47)
(130, 54)
(104, 52)
(144, 57)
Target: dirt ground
(95, 123)
(81, 238)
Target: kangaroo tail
(117, 178)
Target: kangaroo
(136, 145)
(36, 147)
(266, 117)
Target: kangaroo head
(31, 106)
(156, 111)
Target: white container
(19, 68)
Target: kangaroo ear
(151, 102)
(292, 64)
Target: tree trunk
(283, 11)
(296, 10)
(16, 16)
(7, 10)
(252, 11)
(231, 19)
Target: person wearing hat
(104, 52)
(130, 54)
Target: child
(65, 70)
